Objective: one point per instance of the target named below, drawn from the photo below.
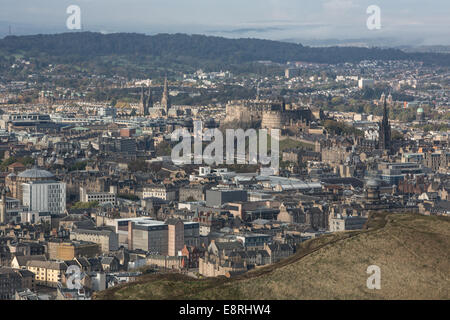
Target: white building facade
(45, 196)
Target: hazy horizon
(320, 22)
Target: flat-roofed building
(45, 196)
(216, 198)
(106, 239)
(254, 241)
(158, 237)
(13, 210)
(100, 197)
(70, 250)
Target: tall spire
(142, 94)
(258, 92)
(142, 104)
(165, 100)
(385, 130)
(165, 84)
(149, 101)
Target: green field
(290, 144)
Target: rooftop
(35, 173)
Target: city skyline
(261, 150)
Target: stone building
(106, 239)
(289, 214)
(47, 273)
(146, 103)
(278, 251)
(192, 256)
(195, 193)
(71, 250)
(10, 282)
(271, 114)
(212, 265)
(278, 117)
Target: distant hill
(411, 251)
(436, 49)
(196, 48)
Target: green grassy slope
(411, 250)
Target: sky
(403, 22)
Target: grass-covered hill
(411, 250)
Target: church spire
(165, 101)
(142, 94)
(143, 111)
(149, 101)
(385, 130)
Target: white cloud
(334, 6)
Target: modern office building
(216, 198)
(119, 145)
(157, 237)
(100, 197)
(396, 172)
(44, 196)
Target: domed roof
(35, 173)
(372, 183)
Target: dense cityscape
(93, 203)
